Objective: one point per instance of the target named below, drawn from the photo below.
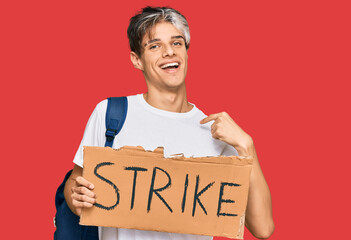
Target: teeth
(170, 65)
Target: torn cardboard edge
(159, 152)
(196, 195)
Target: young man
(159, 39)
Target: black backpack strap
(116, 113)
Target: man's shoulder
(101, 106)
(199, 111)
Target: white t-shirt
(150, 128)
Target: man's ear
(136, 61)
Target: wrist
(245, 148)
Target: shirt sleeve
(229, 150)
(94, 133)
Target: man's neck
(168, 101)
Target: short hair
(143, 21)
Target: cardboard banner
(142, 190)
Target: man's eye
(177, 43)
(153, 46)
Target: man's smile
(171, 66)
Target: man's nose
(168, 51)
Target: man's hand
(78, 191)
(82, 195)
(225, 129)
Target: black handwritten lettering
(109, 182)
(156, 191)
(197, 195)
(185, 190)
(220, 200)
(135, 169)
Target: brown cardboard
(148, 211)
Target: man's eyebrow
(178, 36)
(157, 39)
(151, 41)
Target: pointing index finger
(209, 118)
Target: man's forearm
(259, 220)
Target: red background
(280, 69)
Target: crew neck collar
(164, 112)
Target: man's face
(164, 57)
